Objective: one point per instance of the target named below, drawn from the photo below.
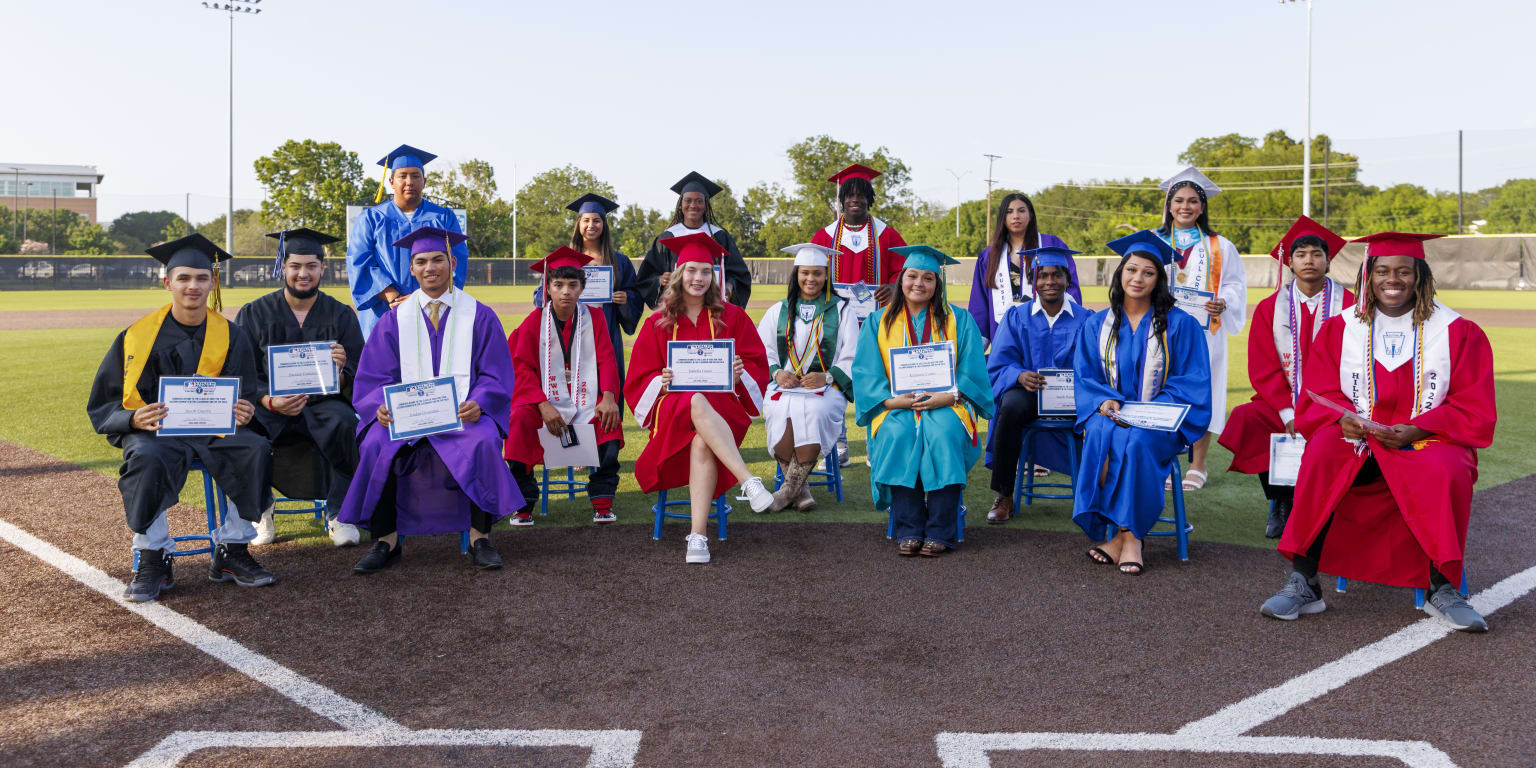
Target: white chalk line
(1222, 731)
(364, 727)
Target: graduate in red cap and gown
(696, 436)
(566, 373)
(864, 243)
(1276, 354)
(1407, 399)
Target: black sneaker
(233, 562)
(379, 557)
(483, 555)
(153, 575)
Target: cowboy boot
(783, 497)
(794, 483)
(805, 502)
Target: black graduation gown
(659, 259)
(327, 421)
(155, 468)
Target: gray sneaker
(1296, 599)
(1447, 605)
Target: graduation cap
(696, 182)
(193, 251)
(403, 156)
(698, 247)
(592, 202)
(855, 171)
(1050, 256)
(810, 254)
(301, 241)
(925, 257)
(1193, 176)
(430, 239)
(1147, 243)
(1306, 227)
(1384, 244)
(564, 256)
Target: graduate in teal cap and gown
(1142, 348)
(378, 271)
(923, 443)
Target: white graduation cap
(810, 254)
(1193, 175)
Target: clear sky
(641, 92)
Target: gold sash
(140, 339)
(895, 335)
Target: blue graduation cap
(925, 257)
(406, 156)
(1050, 256)
(1147, 243)
(302, 240)
(592, 202)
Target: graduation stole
(458, 332)
(1431, 361)
(874, 244)
(903, 334)
(1205, 272)
(1155, 367)
(1283, 328)
(799, 360)
(709, 318)
(572, 391)
(140, 339)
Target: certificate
(923, 368)
(1285, 458)
(701, 366)
(422, 408)
(1059, 398)
(599, 288)
(198, 406)
(1193, 302)
(1164, 417)
(860, 295)
(301, 369)
(1374, 426)
(582, 453)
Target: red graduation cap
(1305, 226)
(564, 256)
(1383, 244)
(697, 247)
(854, 171)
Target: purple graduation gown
(981, 290)
(435, 486)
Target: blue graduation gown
(1139, 459)
(373, 264)
(938, 451)
(626, 317)
(1026, 341)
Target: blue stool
(832, 473)
(1181, 525)
(463, 541)
(1419, 595)
(890, 524)
(570, 486)
(215, 504)
(721, 513)
(305, 507)
(1024, 484)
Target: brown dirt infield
(800, 645)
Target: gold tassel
(218, 294)
(379, 196)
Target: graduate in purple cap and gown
(993, 288)
(378, 269)
(450, 481)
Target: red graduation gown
(522, 444)
(1392, 531)
(855, 266)
(1250, 424)
(663, 463)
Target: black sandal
(1099, 556)
(1132, 563)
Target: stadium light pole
(249, 6)
(958, 177)
(14, 193)
(1306, 156)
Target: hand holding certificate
(923, 368)
(1285, 458)
(599, 286)
(422, 408)
(198, 406)
(1058, 397)
(702, 366)
(301, 369)
(1164, 417)
(860, 296)
(1193, 302)
(1374, 426)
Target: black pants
(155, 468)
(602, 481)
(1306, 565)
(1016, 410)
(334, 443)
(1276, 492)
(386, 513)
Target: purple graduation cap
(430, 239)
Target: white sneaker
(757, 495)
(266, 530)
(344, 534)
(698, 548)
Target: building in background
(42, 187)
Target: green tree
(1404, 208)
(1512, 208)
(633, 228)
(310, 184)
(250, 234)
(138, 230)
(788, 215)
(472, 186)
(84, 237)
(543, 223)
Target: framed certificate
(860, 295)
(423, 408)
(1164, 417)
(1059, 398)
(198, 406)
(599, 288)
(301, 369)
(1285, 458)
(1193, 302)
(701, 366)
(923, 368)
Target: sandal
(909, 548)
(1132, 564)
(933, 549)
(1099, 556)
(1041, 471)
(1194, 485)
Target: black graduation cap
(592, 202)
(194, 251)
(302, 240)
(697, 182)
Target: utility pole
(1327, 158)
(990, 181)
(232, 8)
(514, 224)
(1306, 152)
(187, 212)
(1459, 230)
(958, 177)
(54, 227)
(15, 192)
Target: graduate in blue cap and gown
(451, 481)
(693, 215)
(380, 273)
(1141, 349)
(924, 443)
(1040, 333)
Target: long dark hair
(1161, 297)
(1203, 221)
(794, 287)
(604, 243)
(677, 212)
(1423, 291)
(938, 306)
(999, 239)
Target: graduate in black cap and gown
(694, 214)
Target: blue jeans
(235, 530)
(928, 517)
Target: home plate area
(800, 645)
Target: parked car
(253, 273)
(37, 270)
(85, 271)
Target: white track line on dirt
(610, 749)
